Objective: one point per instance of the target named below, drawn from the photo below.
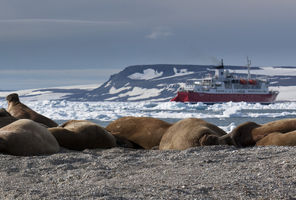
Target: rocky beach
(213, 172)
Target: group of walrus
(24, 132)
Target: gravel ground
(214, 172)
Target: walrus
(278, 139)
(82, 134)
(282, 126)
(25, 137)
(208, 140)
(242, 135)
(5, 118)
(144, 131)
(125, 143)
(248, 133)
(21, 111)
(4, 113)
(188, 133)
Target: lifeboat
(252, 82)
(243, 81)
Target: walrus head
(242, 134)
(207, 140)
(123, 142)
(13, 97)
(216, 140)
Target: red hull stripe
(217, 98)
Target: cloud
(159, 33)
(63, 21)
(45, 28)
(69, 72)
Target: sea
(225, 115)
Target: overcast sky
(46, 43)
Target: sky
(49, 43)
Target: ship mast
(248, 64)
(221, 66)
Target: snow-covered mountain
(158, 83)
(161, 82)
(143, 82)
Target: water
(226, 115)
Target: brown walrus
(248, 133)
(188, 133)
(282, 126)
(207, 140)
(82, 134)
(242, 135)
(144, 131)
(125, 143)
(278, 139)
(25, 137)
(21, 111)
(5, 118)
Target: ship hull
(194, 97)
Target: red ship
(224, 87)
